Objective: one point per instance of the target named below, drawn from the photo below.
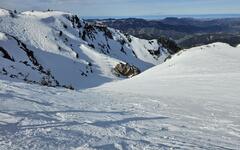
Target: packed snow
(189, 102)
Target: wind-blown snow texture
(64, 50)
(189, 102)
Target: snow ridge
(59, 49)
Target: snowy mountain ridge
(59, 49)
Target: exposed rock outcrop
(169, 44)
(5, 54)
(126, 70)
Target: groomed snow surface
(189, 102)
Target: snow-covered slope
(71, 51)
(189, 102)
(213, 68)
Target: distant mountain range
(187, 32)
(158, 17)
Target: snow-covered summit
(71, 51)
(4, 12)
(45, 14)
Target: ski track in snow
(175, 105)
(35, 118)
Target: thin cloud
(128, 7)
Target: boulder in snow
(126, 70)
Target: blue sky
(129, 7)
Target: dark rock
(155, 52)
(60, 33)
(5, 54)
(126, 70)
(169, 44)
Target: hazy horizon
(160, 16)
(195, 16)
(116, 8)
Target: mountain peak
(57, 48)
